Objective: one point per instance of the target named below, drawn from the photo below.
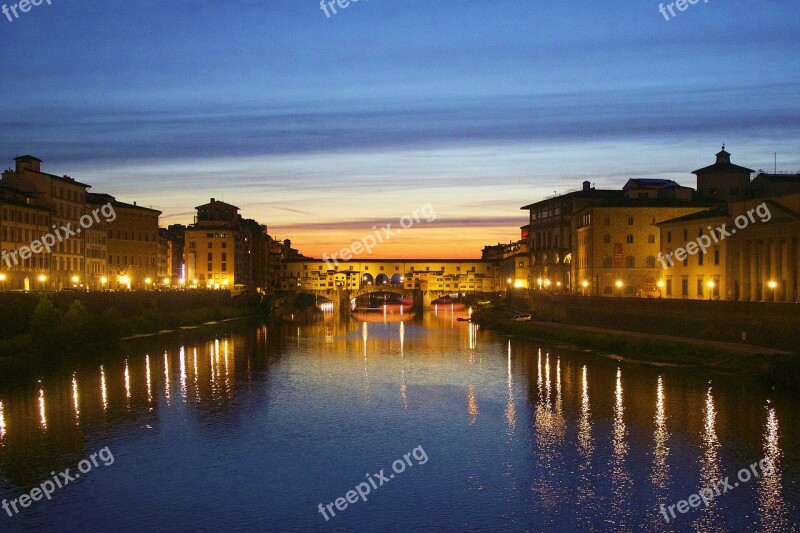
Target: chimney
(586, 186)
(213, 200)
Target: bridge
(342, 298)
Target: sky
(322, 127)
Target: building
(550, 234)
(446, 275)
(218, 252)
(67, 200)
(723, 181)
(511, 263)
(753, 255)
(172, 241)
(700, 275)
(617, 245)
(23, 219)
(132, 243)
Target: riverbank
(767, 365)
(51, 326)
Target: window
(686, 235)
(607, 261)
(224, 267)
(210, 244)
(192, 245)
(669, 236)
(607, 239)
(699, 287)
(685, 287)
(651, 239)
(669, 287)
(651, 262)
(686, 261)
(629, 262)
(716, 256)
(700, 259)
(210, 256)
(629, 239)
(210, 267)
(224, 244)
(630, 221)
(607, 221)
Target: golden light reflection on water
(620, 478)
(149, 379)
(660, 475)
(75, 399)
(587, 497)
(42, 411)
(710, 467)
(511, 412)
(103, 389)
(166, 378)
(127, 384)
(183, 377)
(403, 364)
(472, 405)
(772, 508)
(2, 421)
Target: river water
(448, 427)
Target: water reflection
(75, 399)
(472, 404)
(577, 447)
(103, 389)
(772, 507)
(587, 498)
(511, 411)
(620, 478)
(710, 469)
(42, 411)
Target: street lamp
(42, 279)
(772, 284)
(147, 282)
(3, 281)
(585, 285)
(619, 287)
(75, 281)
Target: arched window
(651, 262)
(630, 262)
(651, 239)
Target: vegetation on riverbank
(771, 369)
(44, 327)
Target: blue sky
(322, 127)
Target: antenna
(776, 162)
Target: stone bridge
(342, 298)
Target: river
(449, 428)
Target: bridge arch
(382, 279)
(367, 279)
(397, 279)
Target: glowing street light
(619, 285)
(3, 280)
(148, 281)
(772, 284)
